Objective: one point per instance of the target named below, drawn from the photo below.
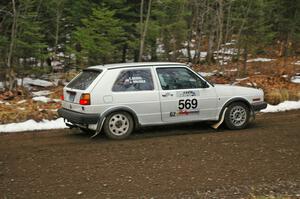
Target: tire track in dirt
(181, 161)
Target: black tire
(118, 125)
(237, 116)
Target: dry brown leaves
(18, 106)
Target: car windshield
(84, 79)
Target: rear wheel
(237, 115)
(118, 125)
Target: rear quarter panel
(144, 103)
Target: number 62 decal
(187, 104)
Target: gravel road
(181, 161)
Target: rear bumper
(78, 118)
(259, 106)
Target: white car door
(185, 96)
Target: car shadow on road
(161, 131)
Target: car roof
(136, 64)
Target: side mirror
(205, 84)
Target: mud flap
(252, 116)
(99, 127)
(216, 125)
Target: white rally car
(118, 98)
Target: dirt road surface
(182, 161)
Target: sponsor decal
(135, 80)
(187, 93)
(183, 113)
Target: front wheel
(118, 125)
(237, 115)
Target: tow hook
(70, 125)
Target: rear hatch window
(84, 79)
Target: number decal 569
(187, 104)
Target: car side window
(134, 80)
(179, 78)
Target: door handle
(167, 94)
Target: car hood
(231, 90)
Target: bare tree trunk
(243, 24)
(57, 28)
(144, 33)
(227, 33)
(141, 17)
(10, 71)
(124, 52)
(228, 23)
(245, 55)
(200, 17)
(141, 30)
(220, 18)
(211, 38)
(58, 14)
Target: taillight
(85, 99)
(62, 97)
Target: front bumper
(257, 106)
(78, 118)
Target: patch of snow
(297, 63)
(206, 74)
(21, 102)
(284, 106)
(295, 79)
(41, 93)
(203, 54)
(56, 81)
(232, 42)
(31, 125)
(241, 79)
(42, 99)
(184, 51)
(1, 102)
(228, 44)
(61, 54)
(36, 82)
(252, 84)
(260, 60)
(7, 103)
(188, 44)
(225, 58)
(30, 59)
(222, 62)
(55, 63)
(227, 51)
(20, 108)
(232, 70)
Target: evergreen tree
(99, 40)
